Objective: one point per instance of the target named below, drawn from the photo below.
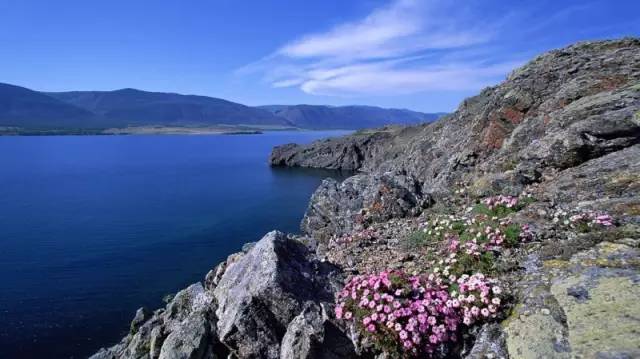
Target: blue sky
(423, 55)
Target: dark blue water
(92, 228)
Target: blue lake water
(93, 227)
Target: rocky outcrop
(255, 305)
(180, 330)
(340, 207)
(562, 109)
(261, 293)
(349, 153)
(565, 128)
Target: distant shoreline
(154, 131)
(143, 130)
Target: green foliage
(498, 211)
(512, 234)
(468, 264)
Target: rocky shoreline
(562, 133)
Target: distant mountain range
(94, 110)
(347, 117)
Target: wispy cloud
(396, 49)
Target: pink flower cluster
(495, 236)
(592, 218)
(583, 219)
(506, 201)
(526, 234)
(416, 314)
(480, 297)
(473, 248)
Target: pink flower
(371, 328)
(348, 315)
(453, 245)
(339, 312)
(485, 312)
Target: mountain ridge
(357, 116)
(27, 109)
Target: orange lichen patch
(376, 207)
(631, 209)
(561, 103)
(514, 116)
(494, 135)
(611, 83)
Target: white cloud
(368, 37)
(373, 80)
(396, 49)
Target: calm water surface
(92, 228)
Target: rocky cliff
(534, 183)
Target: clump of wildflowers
(583, 221)
(497, 201)
(503, 205)
(483, 229)
(414, 315)
(417, 315)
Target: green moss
(556, 264)
(533, 336)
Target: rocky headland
(508, 229)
